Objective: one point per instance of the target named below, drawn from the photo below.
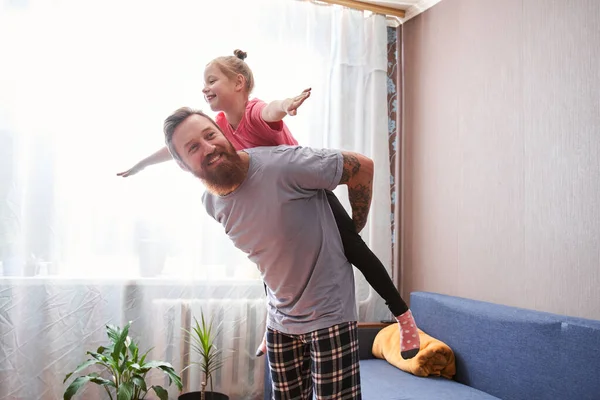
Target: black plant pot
(207, 396)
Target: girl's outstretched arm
(158, 157)
(278, 109)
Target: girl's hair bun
(240, 54)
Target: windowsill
(155, 288)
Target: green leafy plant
(203, 337)
(121, 360)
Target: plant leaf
(134, 351)
(167, 369)
(203, 342)
(113, 332)
(120, 343)
(140, 382)
(78, 383)
(161, 392)
(97, 379)
(125, 391)
(124, 364)
(173, 376)
(100, 357)
(145, 355)
(105, 349)
(156, 364)
(105, 360)
(81, 367)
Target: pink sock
(409, 336)
(262, 349)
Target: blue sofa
(501, 353)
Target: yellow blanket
(434, 357)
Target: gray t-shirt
(280, 217)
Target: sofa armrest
(366, 335)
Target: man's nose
(209, 149)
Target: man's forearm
(358, 176)
(360, 200)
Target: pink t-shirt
(253, 131)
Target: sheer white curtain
(84, 89)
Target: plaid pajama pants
(323, 361)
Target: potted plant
(203, 337)
(125, 369)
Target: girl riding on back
(247, 123)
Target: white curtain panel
(84, 89)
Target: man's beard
(226, 176)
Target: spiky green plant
(124, 367)
(203, 337)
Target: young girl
(252, 123)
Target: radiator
(242, 324)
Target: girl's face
(219, 90)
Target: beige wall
(501, 153)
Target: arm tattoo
(360, 188)
(351, 167)
(360, 201)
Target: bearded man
(273, 206)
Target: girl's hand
(290, 106)
(131, 171)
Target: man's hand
(290, 106)
(358, 176)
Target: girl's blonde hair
(235, 65)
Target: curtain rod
(359, 5)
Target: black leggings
(359, 255)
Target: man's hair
(176, 119)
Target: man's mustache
(218, 151)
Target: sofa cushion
(382, 381)
(514, 353)
(366, 337)
(435, 358)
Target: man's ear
(182, 165)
